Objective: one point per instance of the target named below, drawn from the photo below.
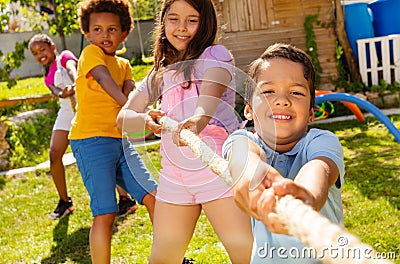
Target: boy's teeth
(281, 117)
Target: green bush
(29, 141)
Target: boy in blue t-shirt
(282, 157)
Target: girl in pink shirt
(59, 76)
(193, 78)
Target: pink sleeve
(65, 56)
(217, 56)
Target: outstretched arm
(69, 89)
(251, 175)
(135, 116)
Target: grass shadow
(69, 247)
(374, 170)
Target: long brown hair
(165, 54)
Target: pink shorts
(184, 179)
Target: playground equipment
(363, 104)
(353, 107)
(144, 58)
(123, 49)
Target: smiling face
(43, 52)
(281, 104)
(181, 24)
(105, 31)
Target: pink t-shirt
(216, 56)
(65, 56)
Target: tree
(65, 20)
(14, 59)
(63, 23)
(342, 37)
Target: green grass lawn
(370, 195)
(29, 236)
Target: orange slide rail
(353, 107)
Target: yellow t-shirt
(97, 111)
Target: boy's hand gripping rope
(332, 244)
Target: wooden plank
(268, 15)
(31, 100)
(227, 23)
(243, 15)
(278, 21)
(233, 16)
(254, 19)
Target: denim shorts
(104, 162)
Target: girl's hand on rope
(187, 124)
(195, 124)
(151, 121)
(268, 200)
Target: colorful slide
(364, 104)
(353, 107)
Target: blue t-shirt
(276, 248)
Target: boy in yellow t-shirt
(103, 156)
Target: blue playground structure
(364, 104)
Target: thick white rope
(325, 240)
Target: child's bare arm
(251, 175)
(128, 87)
(69, 90)
(213, 85)
(55, 90)
(317, 176)
(102, 76)
(134, 115)
(71, 69)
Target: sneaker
(63, 208)
(126, 205)
(187, 261)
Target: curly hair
(121, 8)
(285, 51)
